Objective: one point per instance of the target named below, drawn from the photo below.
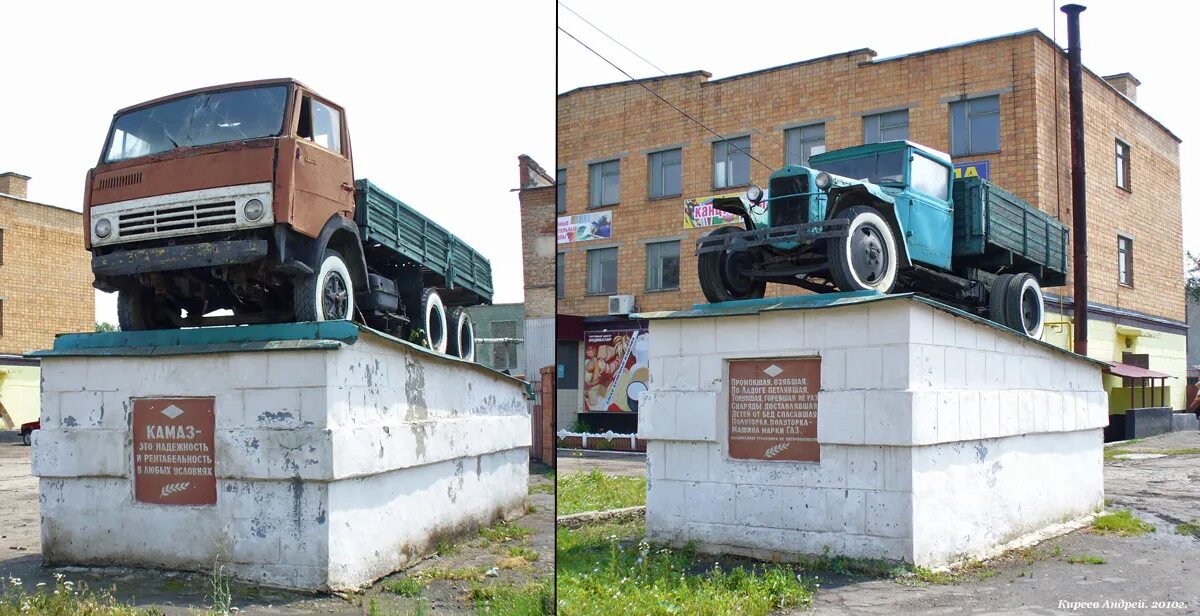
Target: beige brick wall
(45, 276)
(537, 246)
(624, 120)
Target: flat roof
(864, 50)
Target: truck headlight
(754, 194)
(103, 228)
(823, 181)
(253, 209)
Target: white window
(890, 126)
(605, 183)
(662, 266)
(731, 162)
(602, 271)
(802, 142)
(666, 173)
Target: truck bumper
(185, 256)
(787, 236)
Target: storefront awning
(1133, 372)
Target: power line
(659, 97)
(724, 111)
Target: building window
(975, 126)
(662, 266)
(566, 358)
(1123, 164)
(1, 246)
(560, 282)
(731, 162)
(504, 353)
(560, 187)
(890, 126)
(602, 271)
(1125, 260)
(666, 173)
(605, 184)
(802, 142)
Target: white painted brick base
(941, 437)
(334, 468)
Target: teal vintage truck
(889, 217)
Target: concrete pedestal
(939, 436)
(339, 455)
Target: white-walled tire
(1025, 309)
(461, 342)
(866, 259)
(433, 318)
(327, 295)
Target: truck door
(324, 176)
(930, 219)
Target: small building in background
(45, 289)
(499, 337)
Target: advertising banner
(979, 168)
(699, 212)
(583, 227)
(616, 369)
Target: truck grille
(176, 217)
(789, 210)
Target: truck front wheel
(462, 334)
(866, 259)
(327, 295)
(721, 273)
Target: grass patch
(1189, 528)
(541, 488)
(1111, 454)
(1121, 523)
(610, 569)
(64, 599)
(458, 573)
(511, 600)
(513, 562)
(405, 587)
(1180, 452)
(504, 531)
(446, 547)
(1086, 560)
(523, 552)
(595, 491)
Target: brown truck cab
(237, 197)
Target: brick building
(536, 195)
(628, 164)
(45, 273)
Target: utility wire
(659, 97)
(724, 111)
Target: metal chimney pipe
(1078, 188)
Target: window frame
(1124, 165)
(725, 143)
(560, 190)
(1125, 252)
(602, 164)
(616, 270)
(800, 141)
(967, 115)
(654, 285)
(913, 155)
(879, 126)
(650, 173)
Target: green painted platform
(267, 337)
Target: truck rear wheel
(721, 278)
(327, 295)
(461, 342)
(137, 311)
(434, 317)
(1016, 302)
(866, 259)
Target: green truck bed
(995, 227)
(388, 221)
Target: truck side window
(930, 178)
(320, 124)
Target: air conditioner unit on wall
(620, 304)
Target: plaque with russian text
(173, 458)
(773, 409)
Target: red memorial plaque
(773, 409)
(173, 461)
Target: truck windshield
(880, 168)
(200, 119)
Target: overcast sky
(1149, 39)
(440, 98)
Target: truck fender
(862, 194)
(341, 234)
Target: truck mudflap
(184, 256)
(804, 233)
